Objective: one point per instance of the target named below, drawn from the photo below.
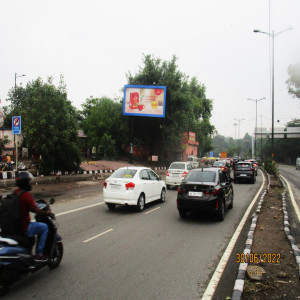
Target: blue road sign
(16, 124)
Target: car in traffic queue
(176, 172)
(255, 165)
(298, 163)
(205, 189)
(224, 165)
(133, 186)
(193, 160)
(244, 171)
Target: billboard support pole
(131, 144)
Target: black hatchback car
(244, 171)
(205, 189)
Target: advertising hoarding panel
(144, 101)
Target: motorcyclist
(28, 205)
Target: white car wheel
(140, 203)
(163, 195)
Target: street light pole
(235, 124)
(239, 121)
(15, 144)
(16, 76)
(256, 100)
(272, 35)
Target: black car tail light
(212, 191)
(180, 190)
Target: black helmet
(23, 180)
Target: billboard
(144, 100)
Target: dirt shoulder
(280, 272)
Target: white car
(133, 186)
(298, 163)
(176, 172)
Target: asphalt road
(293, 177)
(122, 254)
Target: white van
(193, 160)
(298, 163)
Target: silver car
(176, 172)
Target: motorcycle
(16, 259)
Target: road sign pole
(16, 129)
(16, 153)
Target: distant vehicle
(176, 172)
(255, 164)
(193, 160)
(244, 171)
(224, 165)
(298, 163)
(205, 189)
(133, 186)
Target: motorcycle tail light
(129, 186)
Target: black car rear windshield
(177, 166)
(200, 176)
(243, 166)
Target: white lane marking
(96, 236)
(78, 209)
(210, 290)
(148, 212)
(296, 208)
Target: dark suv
(244, 171)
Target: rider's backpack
(10, 214)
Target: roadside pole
(16, 129)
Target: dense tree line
(50, 122)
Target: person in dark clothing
(28, 205)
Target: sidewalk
(90, 169)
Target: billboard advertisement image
(144, 100)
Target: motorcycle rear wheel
(57, 256)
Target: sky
(95, 43)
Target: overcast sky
(94, 43)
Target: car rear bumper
(196, 204)
(173, 180)
(243, 177)
(128, 197)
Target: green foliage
(105, 126)
(4, 142)
(294, 80)
(271, 167)
(49, 124)
(108, 146)
(187, 108)
(242, 147)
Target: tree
(105, 126)
(4, 142)
(294, 80)
(187, 108)
(49, 124)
